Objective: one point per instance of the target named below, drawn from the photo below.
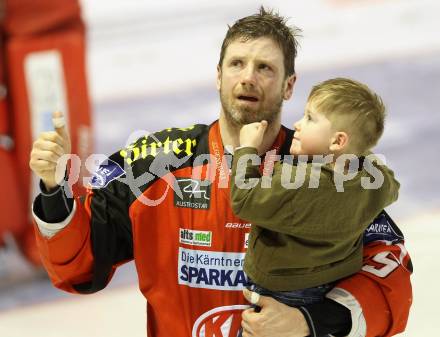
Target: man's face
(251, 81)
(313, 134)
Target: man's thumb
(59, 124)
(253, 297)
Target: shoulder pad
(383, 228)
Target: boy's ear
(339, 141)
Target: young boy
(304, 237)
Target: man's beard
(241, 115)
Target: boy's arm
(277, 204)
(250, 200)
(262, 202)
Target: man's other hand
(274, 319)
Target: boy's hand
(252, 134)
(48, 148)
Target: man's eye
(236, 63)
(264, 67)
(309, 118)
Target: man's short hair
(352, 107)
(266, 24)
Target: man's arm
(79, 250)
(278, 319)
(84, 241)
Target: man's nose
(248, 76)
(297, 125)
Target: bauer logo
(106, 172)
(195, 238)
(219, 322)
(195, 194)
(211, 270)
(238, 225)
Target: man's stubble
(239, 116)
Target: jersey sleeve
(92, 241)
(380, 295)
(85, 248)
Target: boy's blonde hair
(353, 108)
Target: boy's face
(313, 134)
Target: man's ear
(219, 77)
(289, 84)
(339, 141)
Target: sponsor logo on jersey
(381, 229)
(194, 194)
(195, 238)
(105, 173)
(238, 225)
(219, 322)
(151, 146)
(211, 270)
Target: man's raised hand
(47, 150)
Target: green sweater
(304, 237)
